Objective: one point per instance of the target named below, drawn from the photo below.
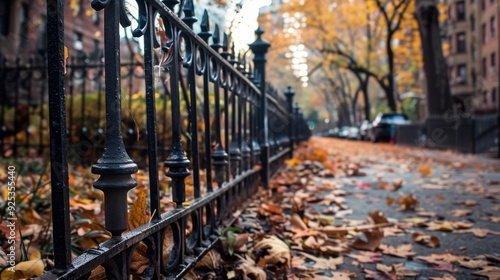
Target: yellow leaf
(27, 269)
(36, 256)
(139, 214)
(66, 55)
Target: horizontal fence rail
(226, 128)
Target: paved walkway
(355, 210)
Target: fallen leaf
(373, 240)
(446, 276)
(479, 232)
(278, 251)
(425, 170)
(461, 212)
(473, 264)
(377, 217)
(492, 272)
(139, 213)
(323, 263)
(366, 257)
(401, 251)
(427, 240)
(249, 269)
(407, 202)
(26, 269)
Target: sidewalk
(355, 210)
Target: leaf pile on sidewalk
(299, 227)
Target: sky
(245, 22)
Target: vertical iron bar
(289, 93)
(205, 34)
(114, 166)
(259, 47)
(225, 55)
(58, 137)
(189, 19)
(27, 83)
(154, 191)
(17, 77)
(219, 155)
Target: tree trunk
(391, 79)
(435, 68)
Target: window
(483, 33)
(4, 17)
(23, 24)
(485, 73)
(460, 10)
(494, 96)
(473, 52)
(78, 41)
(483, 5)
(474, 78)
(493, 27)
(485, 98)
(95, 18)
(461, 42)
(461, 73)
(472, 23)
(493, 63)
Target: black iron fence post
(114, 166)
(296, 129)
(289, 93)
(58, 139)
(259, 48)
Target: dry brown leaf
(401, 251)
(367, 257)
(461, 212)
(268, 209)
(323, 263)
(492, 272)
(473, 264)
(26, 269)
(249, 269)
(479, 232)
(440, 225)
(278, 251)
(139, 213)
(397, 184)
(373, 240)
(210, 260)
(395, 271)
(389, 200)
(297, 222)
(446, 276)
(427, 240)
(425, 169)
(377, 217)
(407, 202)
(432, 187)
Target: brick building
(23, 23)
(472, 33)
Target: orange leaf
(139, 214)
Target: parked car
(349, 132)
(382, 128)
(333, 132)
(363, 130)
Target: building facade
(23, 28)
(472, 34)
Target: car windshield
(397, 119)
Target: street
(435, 211)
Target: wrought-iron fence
(245, 129)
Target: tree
(438, 86)
(373, 39)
